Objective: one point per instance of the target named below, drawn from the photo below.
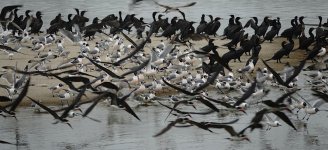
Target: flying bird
(174, 8)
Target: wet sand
(40, 89)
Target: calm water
(118, 130)
(284, 9)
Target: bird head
(316, 109)
(241, 109)
(277, 123)
(244, 137)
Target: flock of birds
(131, 71)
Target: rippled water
(118, 130)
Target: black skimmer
(65, 114)
(182, 121)
(235, 136)
(287, 82)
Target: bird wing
(73, 104)
(187, 5)
(168, 127)
(283, 117)
(247, 94)
(20, 96)
(95, 102)
(28, 23)
(209, 81)
(137, 48)
(53, 113)
(108, 85)
(268, 117)
(67, 34)
(7, 48)
(228, 128)
(321, 95)
(296, 72)
(208, 104)
(126, 106)
(259, 116)
(137, 68)
(7, 9)
(199, 125)
(165, 6)
(177, 88)
(112, 74)
(5, 142)
(4, 99)
(167, 50)
(129, 39)
(283, 97)
(16, 26)
(274, 73)
(318, 103)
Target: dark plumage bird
(263, 27)
(181, 121)
(235, 38)
(247, 44)
(61, 118)
(273, 32)
(253, 23)
(4, 11)
(17, 20)
(79, 18)
(235, 136)
(171, 29)
(320, 32)
(56, 24)
(305, 42)
(90, 30)
(232, 54)
(234, 28)
(230, 24)
(287, 82)
(25, 20)
(69, 23)
(299, 28)
(37, 23)
(213, 26)
(290, 31)
(280, 53)
(275, 107)
(202, 25)
(260, 30)
(289, 46)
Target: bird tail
(268, 59)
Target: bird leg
(308, 117)
(62, 103)
(304, 117)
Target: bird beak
(243, 110)
(194, 106)
(288, 110)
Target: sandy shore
(40, 90)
